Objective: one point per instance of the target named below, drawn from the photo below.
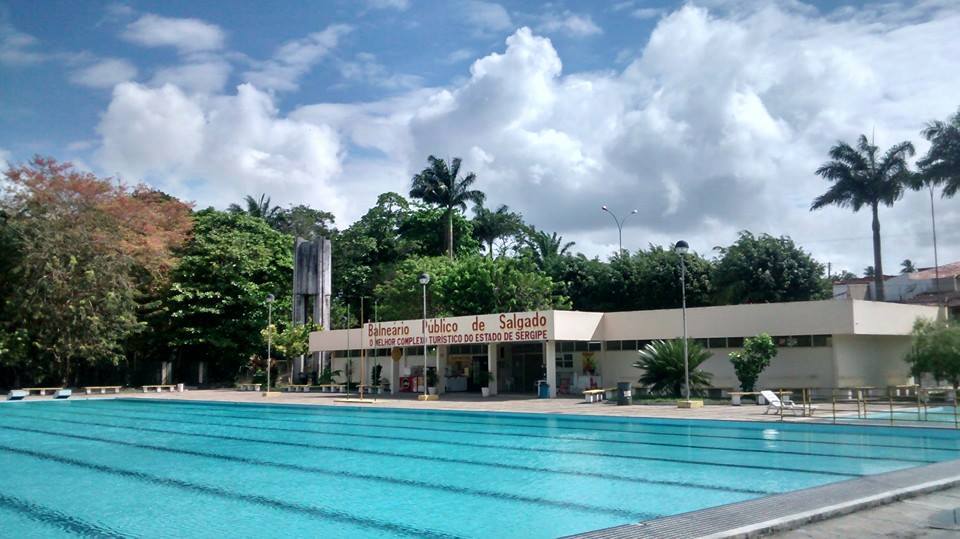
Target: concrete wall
(880, 318)
(578, 325)
(871, 360)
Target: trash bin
(624, 393)
(543, 389)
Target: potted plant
(589, 365)
(486, 378)
(432, 381)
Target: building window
(580, 346)
(566, 346)
(564, 361)
(822, 340)
(613, 346)
(717, 342)
(628, 345)
(702, 342)
(803, 340)
(643, 344)
(594, 346)
(735, 342)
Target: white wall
(871, 360)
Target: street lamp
(270, 300)
(681, 248)
(619, 224)
(424, 280)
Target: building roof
(946, 270)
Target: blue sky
(709, 117)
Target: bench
(42, 390)
(295, 388)
(333, 388)
(63, 394)
(597, 395)
(17, 395)
(102, 389)
(249, 387)
(159, 388)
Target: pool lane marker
(414, 415)
(255, 499)
(503, 496)
(314, 421)
(460, 444)
(417, 456)
(57, 519)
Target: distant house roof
(946, 270)
(862, 280)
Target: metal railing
(874, 405)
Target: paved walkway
(915, 517)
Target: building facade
(821, 344)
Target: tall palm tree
(907, 266)
(261, 208)
(941, 165)
(862, 178)
(545, 248)
(438, 184)
(491, 225)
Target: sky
(708, 117)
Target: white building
(822, 344)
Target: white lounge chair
(774, 403)
(17, 395)
(63, 394)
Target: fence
(904, 404)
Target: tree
(862, 178)
(907, 266)
(869, 272)
(941, 165)
(422, 230)
(546, 249)
(756, 355)
(438, 184)
(662, 363)
(844, 275)
(490, 226)
(261, 209)
(936, 351)
(302, 221)
(762, 269)
(86, 250)
(216, 301)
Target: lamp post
(270, 300)
(936, 258)
(619, 225)
(681, 248)
(424, 280)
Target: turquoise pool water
(140, 468)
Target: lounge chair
(17, 395)
(774, 403)
(63, 394)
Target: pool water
(142, 468)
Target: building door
(526, 362)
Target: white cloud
(647, 13)
(203, 75)
(365, 68)
(295, 58)
(186, 35)
(459, 55)
(4, 161)
(236, 144)
(105, 73)
(569, 23)
(485, 17)
(399, 5)
(18, 48)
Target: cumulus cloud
(200, 74)
(295, 58)
(105, 73)
(237, 144)
(186, 35)
(485, 17)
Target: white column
(395, 373)
(550, 355)
(441, 364)
(492, 366)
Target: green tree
(546, 249)
(438, 184)
(907, 266)
(216, 301)
(259, 208)
(492, 225)
(302, 221)
(844, 275)
(936, 351)
(756, 356)
(941, 164)
(762, 269)
(861, 178)
(869, 272)
(423, 227)
(663, 368)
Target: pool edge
(791, 510)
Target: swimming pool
(136, 467)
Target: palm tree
(438, 184)
(941, 165)
(545, 248)
(861, 179)
(869, 272)
(907, 266)
(489, 226)
(261, 209)
(663, 370)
